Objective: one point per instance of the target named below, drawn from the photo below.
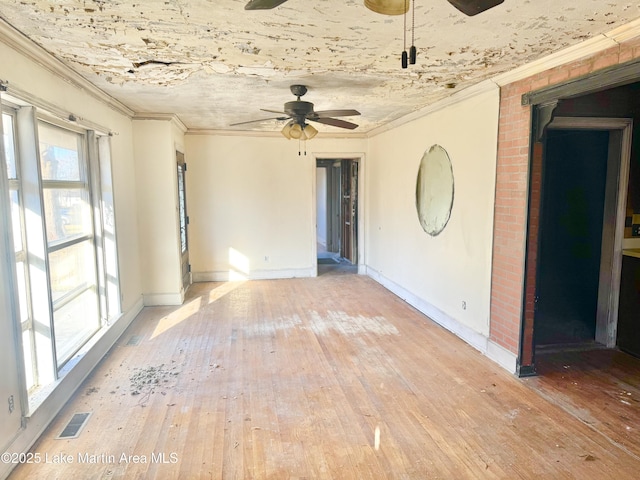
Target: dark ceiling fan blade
(334, 122)
(474, 7)
(335, 113)
(273, 111)
(260, 120)
(263, 4)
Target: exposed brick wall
(509, 241)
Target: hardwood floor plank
(333, 377)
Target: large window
(70, 238)
(64, 238)
(19, 244)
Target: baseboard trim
(502, 356)
(158, 299)
(72, 376)
(227, 276)
(480, 342)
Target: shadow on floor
(600, 387)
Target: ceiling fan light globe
(286, 131)
(310, 131)
(387, 7)
(296, 131)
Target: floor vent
(134, 340)
(73, 428)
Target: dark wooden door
(349, 210)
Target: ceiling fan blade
(474, 7)
(263, 4)
(260, 120)
(273, 111)
(336, 113)
(334, 122)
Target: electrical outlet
(12, 404)
(266, 258)
(464, 305)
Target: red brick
(606, 60)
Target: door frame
(618, 162)
(360, 158)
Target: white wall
(155, 143)
(252, 204)
(437, 273)
(34, 78)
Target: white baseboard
(495, 352)
(226, 276)
(71, 377)
(158, 299)
(502, 356)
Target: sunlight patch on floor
(222, 290)
(176, 317)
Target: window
(63, 232)
(17, 226)
(70, 238)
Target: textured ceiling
(212, 63)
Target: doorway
(584, 184)
(183, 221)
(571, 236)
(337, 211)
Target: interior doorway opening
(571, 227)
(585, 170)
(337, 211)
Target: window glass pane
(9, 147)
(60, 157)
(15, 220)
(71, 268)
(22, 291)
(28, 359)
(75, 323)
(67, 213)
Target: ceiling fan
(299, 112)
(468, 7)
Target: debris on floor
(145, 381)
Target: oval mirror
(434, 190)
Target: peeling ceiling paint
(213, 64)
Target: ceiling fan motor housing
(298, 108)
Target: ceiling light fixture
(387, 7)
(299, 131)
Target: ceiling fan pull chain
(413, 52)
(405, 58)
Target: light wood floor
(331, 377)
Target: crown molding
(562, 57)
(584, 49)
(625, 32)
(162, 117)
(460, 96)
(15, 39)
